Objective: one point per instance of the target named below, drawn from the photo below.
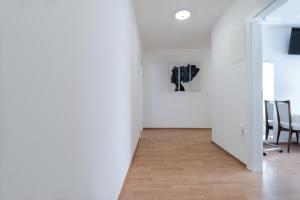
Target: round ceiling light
(182, 15)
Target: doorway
(268, 89)
(262, 70)
(274, 72)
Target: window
(268, 81)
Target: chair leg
(278, 136)
(290, 138)
(267, 133)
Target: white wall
(69, 83)
(166, 109)
(276, 45)
(232, 84)
(276, 41)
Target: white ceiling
(287, 14)
(160, 30)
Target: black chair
(285, 121)
(270, 123)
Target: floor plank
(183, 164)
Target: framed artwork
(184, 77)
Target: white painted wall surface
(232, 84)
(166, 109)
(69, 120)
(276, 41)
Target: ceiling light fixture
(182, 15)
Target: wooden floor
(174, 164)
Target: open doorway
(268, 94)
(281, 53)
(276, 94)
(275, 78)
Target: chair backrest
(269, 111)
(284, 113)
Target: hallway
(183, 164)
(80, 80)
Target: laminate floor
(183, 164)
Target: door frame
(256, 162)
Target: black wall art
(185, 78)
